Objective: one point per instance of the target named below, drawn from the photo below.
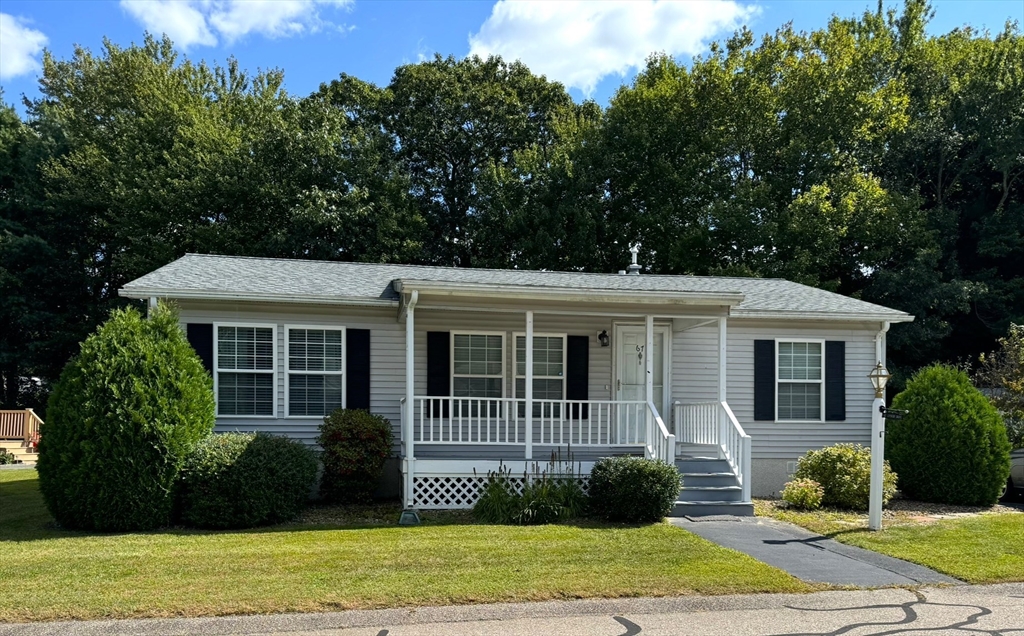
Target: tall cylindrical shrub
(951, 447)
(121, 420)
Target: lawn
(46, 573)
(983, 548)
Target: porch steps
(709, 487)
(22, 455)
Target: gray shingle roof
(212, 275)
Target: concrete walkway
(809, 556)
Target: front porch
(623, 384)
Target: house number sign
(640, 354)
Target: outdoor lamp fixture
(879, 376)
(603, 337)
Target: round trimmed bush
(844, 472)
(951, 447)
(121, 420)
(355, 446)
(242, 480)
(804, 494)
(633, 489)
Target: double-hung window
(245, 364)
(315, 371)
(478, 365)
(801, 374)
(548, 371)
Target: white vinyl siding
(478, 362)
(244, 362)
(799, 380)
(316, 366)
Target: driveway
(809, 556)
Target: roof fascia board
(823, 316)
(480, 290)
(191, 294)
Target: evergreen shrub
(633, 489)
(355, 446)
(951, 447)
(122, 418)
(242, 480)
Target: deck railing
(19, 425)
(661, 443)
(457, 420)
(714, 423)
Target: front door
(631, 366)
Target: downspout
(880, 342)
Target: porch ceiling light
(879, 376)
(603, 337)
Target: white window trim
(217, 369)
(779, 380)
(451, 362)
(515, 363)
(288, 372)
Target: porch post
(529, 385)
(649, 377)
(723, 352)
(410, 394)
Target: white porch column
(723, 352)
(649, 376)
(529, 385)
(410, 394)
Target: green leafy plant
(125, 414)
(844, 473)
(547, 494)
(355, 446)
(6, 457)
(951, 447)
(1001, 374)
(241, 480)
(633, 489)
(805, 494)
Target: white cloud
(19, 46)
(203, 22)
(579, 43)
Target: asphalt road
(992, 610)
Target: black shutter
(439, 370)
(835, 380)
(764, 380)
(577, 370)
(357, 369)
(200, 336)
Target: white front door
(631, 365)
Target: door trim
(666, 331)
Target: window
(245, 370)
(315, 369)
(478, 365)
(548, 367)
(800, 376)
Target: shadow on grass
(25, 518)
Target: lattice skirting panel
(452, 492)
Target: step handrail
(714, 423)
(661, 444)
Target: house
(731, 379)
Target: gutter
(192, 294)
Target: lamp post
(879, 376)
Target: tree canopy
(866, 157)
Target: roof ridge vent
(634, 268)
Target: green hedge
(121, 420)
(633, 489)
(241, 480)
(951, 447)
(355, 446)
(844, 472)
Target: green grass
(988, 548)
(46, 573)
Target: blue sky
(591, 47)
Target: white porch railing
(661, 444)
(457, 420)
(715, 423)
